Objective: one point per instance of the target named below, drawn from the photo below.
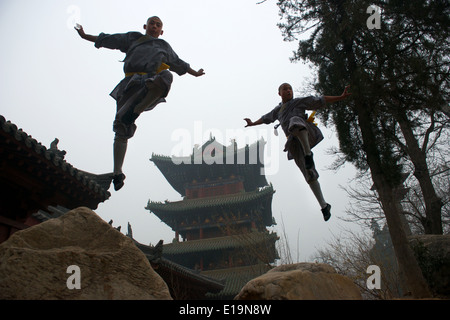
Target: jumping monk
(147, 80)
(302, 135)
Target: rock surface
(433, 255)
(301, 281)
(34, 262)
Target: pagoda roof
(174, 272)
(246, 162)
(35, 177)
(51, 213)
(168, 212)
(219, 243)
(235, 279)
(235, 199)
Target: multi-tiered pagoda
(220, 225)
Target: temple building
(221, 223)
(38, 184)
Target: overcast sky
(54, 84)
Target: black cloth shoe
(118, 181)
(326, 212)
(309, 162)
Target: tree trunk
(433, 204)
(407, 262)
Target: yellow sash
(162, 67)
(312, 118)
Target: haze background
(55, 84)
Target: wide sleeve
(310, 103)
(272, 116)
(176, 64)
(119, 41)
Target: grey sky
(54, 84)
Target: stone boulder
(76, 256)
(301, 281)
(433, 255)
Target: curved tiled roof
(171, 212)
(35, 154)
(219, 243)
(244, 162)
(235, 279)
(208, 202)
(171, 268)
